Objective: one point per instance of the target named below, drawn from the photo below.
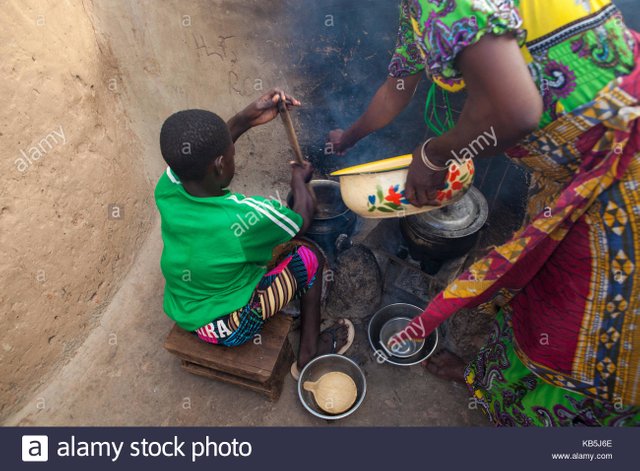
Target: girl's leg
(312, 342)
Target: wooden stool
(259, 367)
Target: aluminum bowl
(327, 364)
(385, 315)
(405, 349)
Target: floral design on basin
(394, 198)
(376, 189)
(388, 203)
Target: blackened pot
(445, 233)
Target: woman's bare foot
(446, 365)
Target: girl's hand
(423, 184)
(303, 172)
(265, 108)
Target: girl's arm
(303, 202)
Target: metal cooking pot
(445, 233)
(333, 223)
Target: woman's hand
(423, 184)
(339, 144)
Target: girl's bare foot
(446, 365)
(331, 340)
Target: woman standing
(558, 84)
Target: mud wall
(74, 203)
(86, 86)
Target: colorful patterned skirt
(568, 279)
(293, 275)
(511, 395)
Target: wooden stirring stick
(291, 133)
(293, 139)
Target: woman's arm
(392, 97)
(503, 105)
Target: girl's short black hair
(191, 139)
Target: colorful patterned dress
(566, 287)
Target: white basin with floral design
(376, 190)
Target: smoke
(337, 56)
(338, 52)
(342, 50)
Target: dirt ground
(122, 376)
(82, 291)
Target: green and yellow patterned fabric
(573, 48)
